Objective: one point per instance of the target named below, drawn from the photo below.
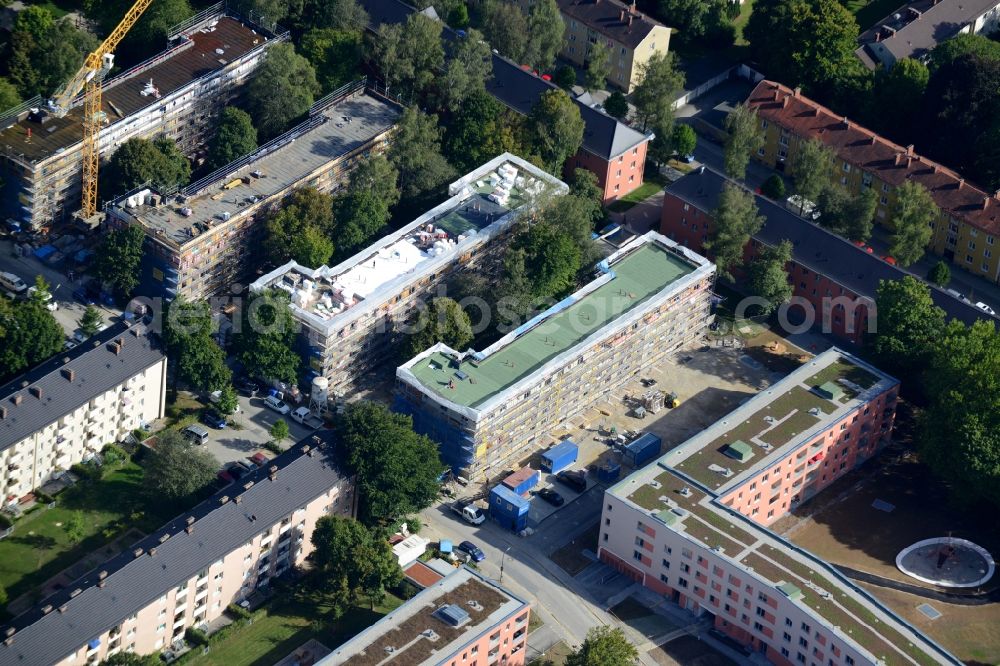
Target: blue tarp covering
(94, 644)
(45, 251)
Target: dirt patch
(689, 651)
(570, 557)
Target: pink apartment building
(186, 573)
(462, 619)
(693, 525)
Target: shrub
(564, 77)
(238, 611)
(5, 521)
(196, 636)
(114, 455)
(43, 497)
(773, 187)
(272, 447)
(88, 471)
(940, 274)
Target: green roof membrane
(637, 277)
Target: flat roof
(778, 419)
(482, 203)
(629, 279)
(336, 131)
(206, 49)
(417, 633)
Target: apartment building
(353, 314)
(186, 573)
(966, 228)
(630, 37)
(65, 410)
(488, 409)
(693, 525)
(205, 238)
(913, 30)
(178, 94)
(463, 619)
(835, 281)
(611, 150)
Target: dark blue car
(473, 550)
(213, 419)
(84, 297)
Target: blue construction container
(609, 472)
(522, 480)
(560, 456)
(508, 508)
(640, 451)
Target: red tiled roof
(886, 160)
(421, 574)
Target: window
(637, 556)
(760, 612)
(885, 187)
(847, 168)
(763, 124)
(760, 151)
(666, 564)
(787, 636)
(758, 626)
(682, 582)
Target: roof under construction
(191, 56)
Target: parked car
(13, 284)
(470, 513)
(259, 459)
(214, 419)
(247, 387)
(271, 402)
(985, 308)
(238, 470)
(577, 480)
(50, 303)
(196, 434)
(551, 496)
(474, 551)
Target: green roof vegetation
(638, 276)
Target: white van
(13, 284)
(196, 433)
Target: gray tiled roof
(132, 583)
(603, 136)
(815, 247)
(96, 369)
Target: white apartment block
(188, 572)
(65, 410)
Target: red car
(259, 459)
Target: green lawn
(649, 187)
(740, 21)
(39, 547)
(285, 626)
(867, 13)
(57, 11)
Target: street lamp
(503, 558)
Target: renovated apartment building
(202, 240)
(611, 150)
(488, 409)
(463, 619)
(178, 94)
(630, 37)
(693, 525)
(835, 281)
(352, 314)
(65, 410)
(186, 573)
(966, 227)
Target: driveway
(249, 431)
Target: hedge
(88, 471)
(196, 636)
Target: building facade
(692, 526)
(353, 315)
(206, 238)
(834, 281)
(186, 573)
(463, 619)
(966, 226)
(488, 409)
(630, 37)
(177, 94)
(65, 410)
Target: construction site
(352, 314)
(177, 94)
(202, 239)
(488, 409)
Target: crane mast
(88, 80)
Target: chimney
(16, 399)
(630, 20)
(909, 150)
(36, 391)
(3, 412)
(997, 194)
(961, 182)
(777, 95)
(796, 91)
(784, 102)
(986, 203)
(874, 140)
(69, 374)
(847, 123)
(621, 15)
(934, 168)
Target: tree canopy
(235, 138)
(44, 52)
(556, 128)
(506, 28)
(176, 468)
(199, 360)
(736, 220)
(616, 105)
(940, 274)
(91, 320)
(744, 137)
(659, 83)
(365, 210)
(545, 31)
(118, 258)
(604, 646)
(481, 129)
(846, 214)
(352, 559)
(911, 216)
(598, 67)
(139, 161)
(768, 277)
(301, 230)
(408, 56)
(909, 326)
(267, 339)
(416, 154)
(466, 72)
(397, 469)
(441, 321)
(29, 334)
(334, 54)
(281, 91)
(811, 169)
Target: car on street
(577, 480)
(474, 551)
(247, 387)
(272, 402)
(985, 308)
(551, 496)
(259, 459)
(14, 285)
(213, 419)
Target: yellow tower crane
(89, 79)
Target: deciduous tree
(118, 259)
(811, 170)
(8, 95)
(281, 91)
(556, 128)
(140, 161)
(29, 334)
(659, 83)
(334, 54)
(342, 15)
(441, 321)
(545, 30)
(598, 67)
(909, 326)
(846, 214)
(506, 29)
(408, 56)
(940, 274)
(306, 209)
(198, 359)
(616, 105)
(465, 73)
(236, 137)
(279, 431)
(176, 468)
(350, 557)
(768, 277)
(684, 140)
(774, 187)
(744, 137)
(902, 90)
(911, 217)
(266, 343)
(416, 154)
(604, 646)
(736, 220)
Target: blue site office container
(522, 480)
(609, 472)
(560, 456)
(508, 508)
(641, 450)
